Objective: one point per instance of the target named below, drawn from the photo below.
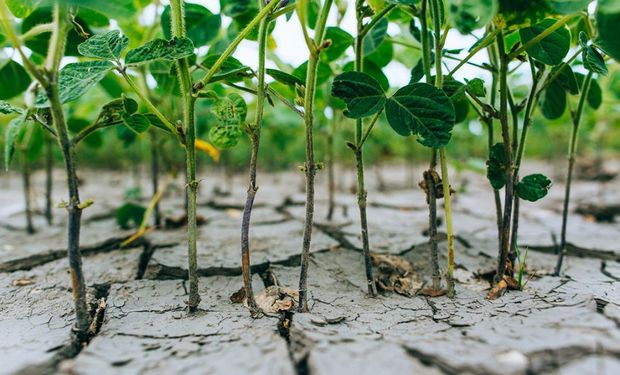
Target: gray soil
(556, 325)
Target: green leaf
(417, 73)
(117, 9)
(533, 187)
(323, 75)
(6, 108)
(593, 61)
(236, 8)
(40, 42)
(496, 166)
(595, 94)
(22, 8)
(476, 87)
(160, 49)
(523, 12)
(12, 132)
(14, 78)
(340, 41)
(225, 136)
(156, 122)
(285, 78)
(566, 78)
(107, 46)
(362, 94)
(202, 26)
(231, 110)
(231, 70)
(381, 56)
(372, 70)
(375, 37)
(553, 101)
(569, 6)
(608, 24)
(129, 214)
(550, 50)
(456, 92)
(469, 15)
(136, 122)
(422, 110)
(76, 79)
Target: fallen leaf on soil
(430, 292)
(275, 299)
(395, 274)
(178, 222)
(507, 283)
(22, 282)
(434, 176)
(238, 296)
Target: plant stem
(74, 209)
(436, 6)
(429, 180)
(233, 45)
(585, 88)
(331, 183)
(527, 121)
(185, 82)
(482, 44)
(534, 41)
(503, 91)
(359, 157)
(254, 134)
(49, 178)
(155, 175)
(310, 166)
(493, 58)
(26, 173)
(448, 207)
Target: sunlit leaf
(160, 49)
(76, 79)
(469, 15)
(201, 25)
(496, 166)
(106, 46)
(550, 50)
(362, 94)
(12, 132)
(14, 79)
(533, 187)
(423, 110)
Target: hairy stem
(310, 165)
(155, 176)
(436, 4)
(429, 180)
(74, 209)
(264, 12)
(503, 93)
(49, 179)
(26, 174)
(254, 133)
(331, 183)
(572, 150)
(359, 157)
(178, 30)
(520, 151)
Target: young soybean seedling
(315, 47)
(594, 62)
(59, 86)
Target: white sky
(292, 48)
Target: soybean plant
(315, 46)
(58, 87)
